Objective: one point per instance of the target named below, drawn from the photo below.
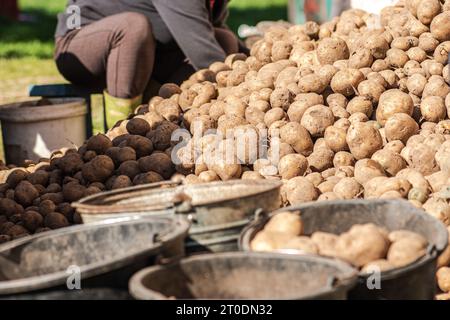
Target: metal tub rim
(84, 207)
(46, 281)
(432, 253)
(139, 291)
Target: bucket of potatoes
(394, 245)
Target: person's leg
(118, 50)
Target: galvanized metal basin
(415, 281)
(103, 254)
(243, 275)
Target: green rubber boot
(117, 109)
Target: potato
(436, 86)
(398, 235)
(73, 191)
(25, 193)
(99, 143)
(273, 115)
(391, 162)
(321, 159)
(168, 89)
(396, 58)
(391, 102)
(251, 175)
(303, 101)
(348, 188)
(129, 168)
(362, 244)
(289, 223)
(367, 169)
(138, 126)
(71, 163)
(298, 137)
(443, 279)
(421, 158)
(268, 241)
(405, 251)
(363, 140)
(312, 83)
(440, 26)
(292, 165)
(39, 177)
(99, 169)
(343, 158)
(325, 242)
(361, 58)
(316, 119)
(160, 139)
(380, 265)
(55, 220)
(416, 84)
(226, 171)
(331, 50)
(300, 190)
(301, 244)
(345, 81)
(335, 139)
(148, 177)
(444, 258)
(438, 208)
(121, 181)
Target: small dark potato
(36, 201)
(5, 227)
(99, 185)
(9, 207)
(109, 183)
(99, 143)
(119, 139)
(55, 220)
(53, 188)
(9, 194)
(25, 193)
(39, 177)
(46, 207)
(142, 109)
(99, 169)
(40, 188)
(79, 178)
(66, 210)
(142, 145)
(138, 126)
(121, 181)
(68, 179)
(91, 190)
(159, 163)
(17, 231)
(168, 89)
(56, 197)
(16, 218)
(32, 220)
(119, 155)
(89, 155)
(77, 218)
(32, 208)
(4, 238)
(15, 177)
(4, 187)
(70, 163)
(162, 135)
(56, 176)
(129, 169)
(149, 177)
(73, 191)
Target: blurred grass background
(26, 47)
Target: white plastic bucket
(33, 129)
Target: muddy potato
(433, 109)
(99, 169)
(281, 98)
(138, 126)
(438, 208)
(273, 115)
(440, 26)
(335, 138)
(25, 193)
(345, 81)
(343, 158)
(391, 162)
(55, 220)
(444, 258)
(303, 101)
(325, 242)
(331, 50)
(443, 279)
(367, 169)
(292, 165)
(398, 235)
(348, 188)
(148, 177)
(391, 102)
(321, 159)
(363, 140)
(121, 181)
(299, 190)
(73, 191)
(298, 137)
(99, 143)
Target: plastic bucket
(33, 129)
(99, 255)
(243, 275)
(415, 281)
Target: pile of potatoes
(368, 247)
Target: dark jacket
(188, 24)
